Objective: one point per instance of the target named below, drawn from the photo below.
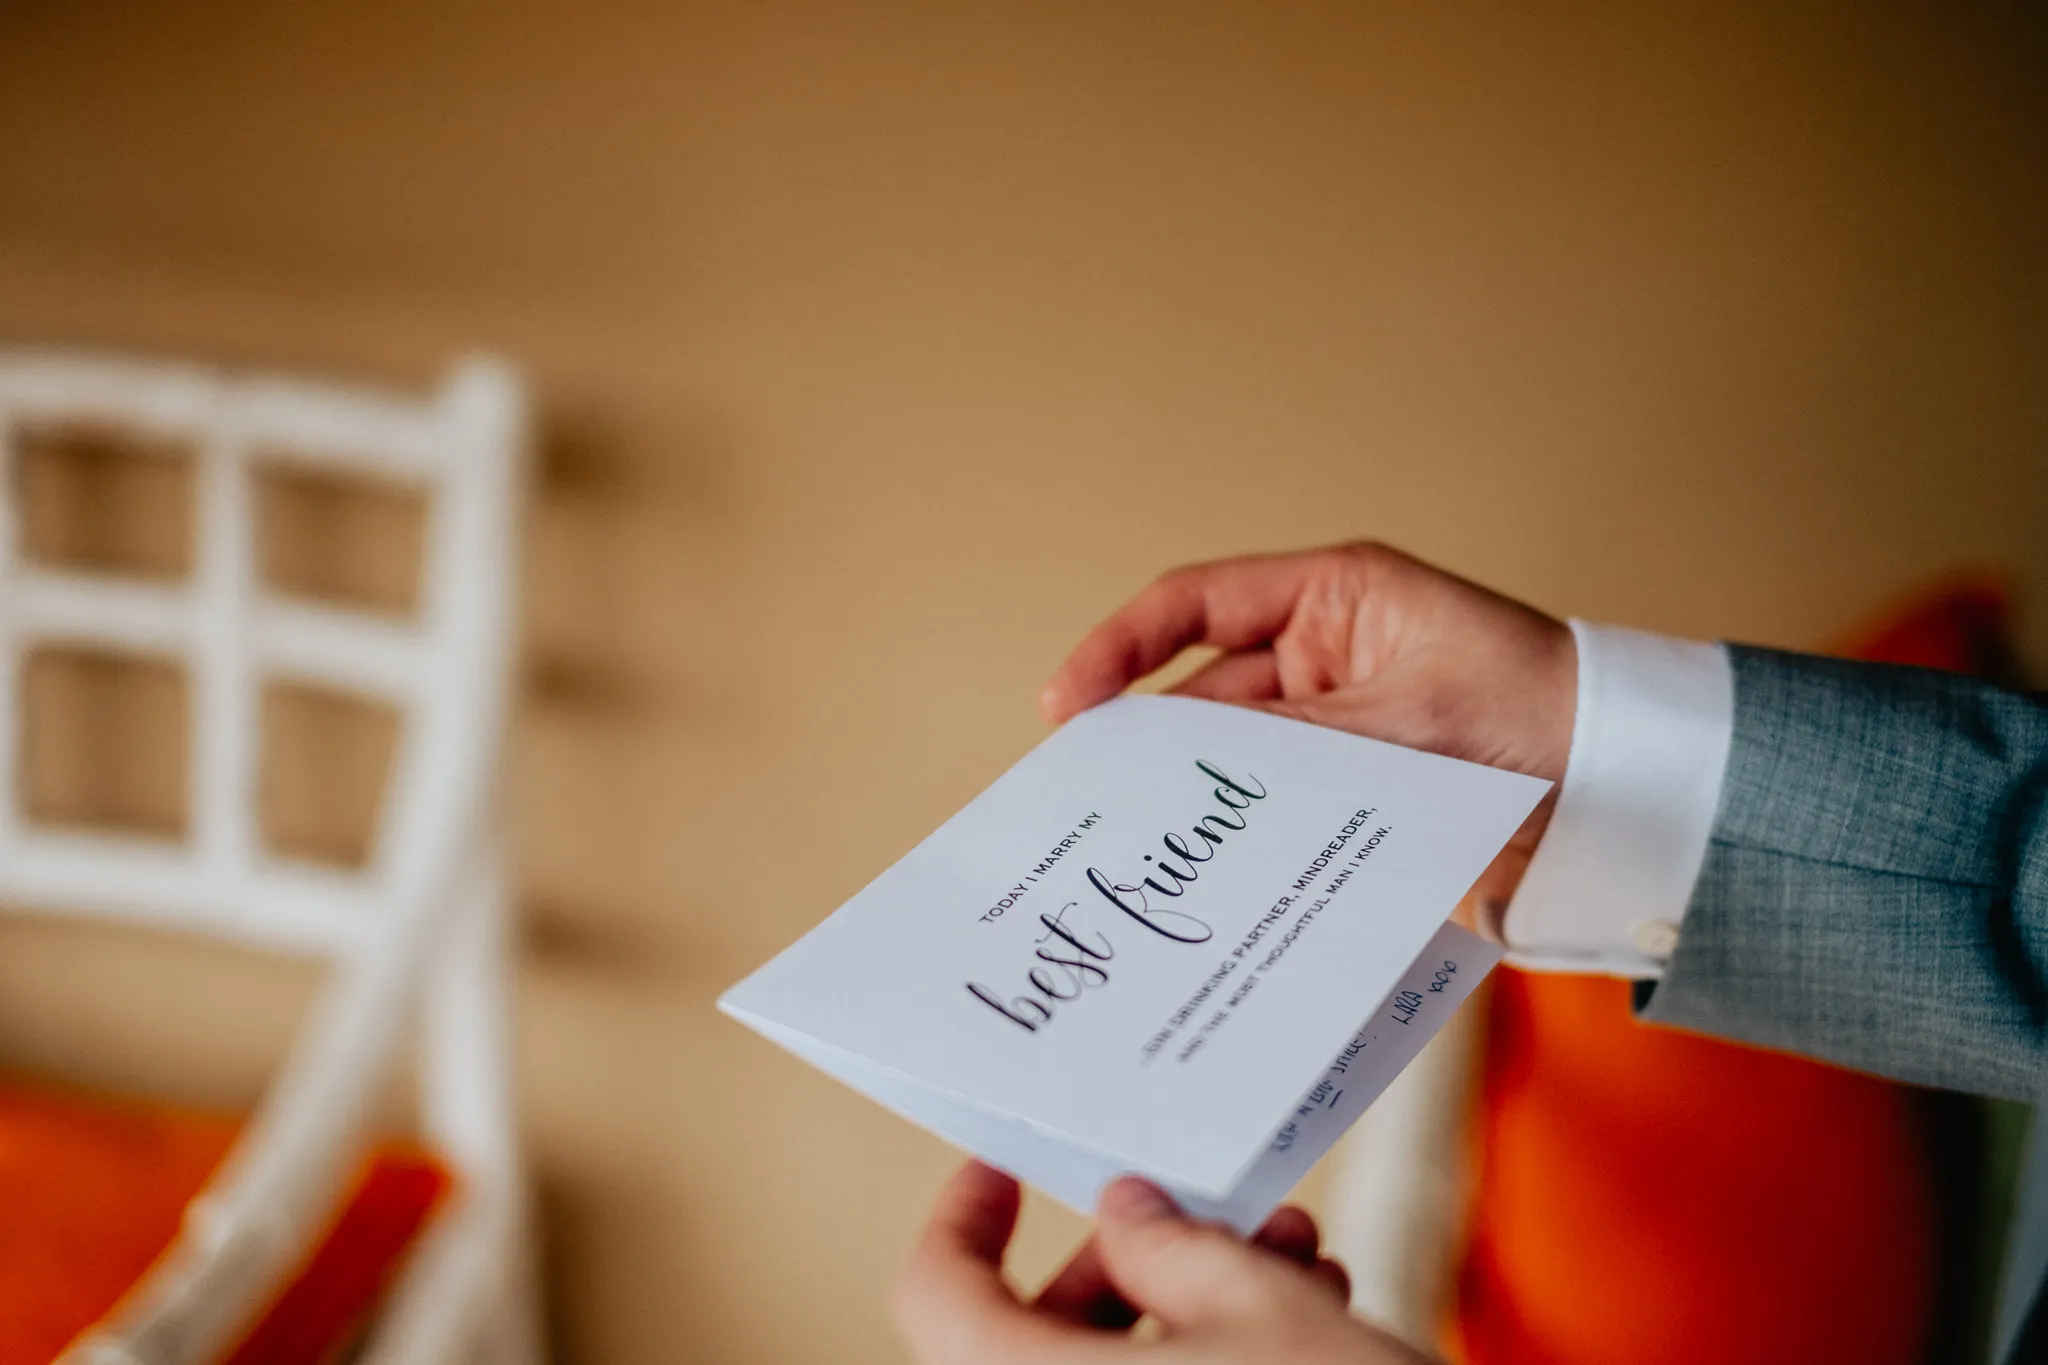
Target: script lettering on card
(1078, 954)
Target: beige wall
(881, 348)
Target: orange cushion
(1647, 1197)
(1650, 1197)
(92, 1191)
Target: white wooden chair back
(420, 923)
(444, 671)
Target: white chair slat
(169, 400)
(302, 910)
(348, 650)
(225, 714)
(128, 615)
(285, 422)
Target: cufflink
(1656, 938)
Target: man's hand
(1359, 638)
(1217, 1299)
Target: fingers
(951, 1302)
(1334, 1276)
(959, 1256)
(955, 1309)
(1082, 1293)
(975, 1213)
(1187, 1273)
(1483, 909)
(1290, 1233)
(1243, 676)
(1230, 603)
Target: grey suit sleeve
(1875, 891)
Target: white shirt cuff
(1607, 888)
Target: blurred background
(879, 349)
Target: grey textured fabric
(1875, 891)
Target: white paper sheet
(1178, 938)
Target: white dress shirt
(1607, 889)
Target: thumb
(1182, 1272)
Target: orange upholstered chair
(95, 1189)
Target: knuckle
(1366, 551)
(1177, 581)
(1381, 560)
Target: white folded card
(1188, 940)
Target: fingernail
(1137, 1201)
